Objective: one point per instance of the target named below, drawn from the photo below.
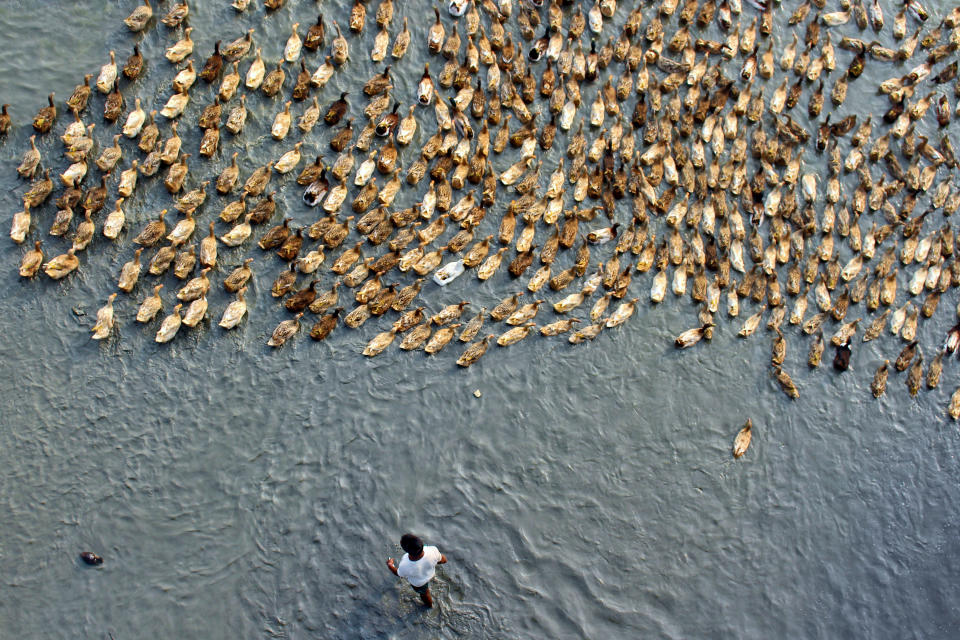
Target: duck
(336, 110)
(491, 265)
(402, 42)
(935, 370)
(193, 199)
(285, 330)
(108, 75)
(171, 147)
(407, 127)
(239, 277)
(275, 236)
(138, 19)
(175, 105)
(379, 343)
(210, 141)
(358, 16)
(150, 133)
(474, 352)
(751, 323)
(915, 375)
(409, 320)
(134, 65)
(524, 313)
(170, 326)
(425, 88)
(284, 282)
(430, 261)
(81, 95)
(30, 161)
(176, 15)
(786, 383)
(130, 273)
(346, 259)
(238, 117)
(339, 48)
(151, 164)
(208, 249)
(690, 337)
(184, 263)
(290, 248)
(196, 312)
(181, 49)
(42, 187)
(43, 121)
(742, 442)
(228, 177)
(62, 265)
(322, 75)
(239, 233)
(356, 318)
(441, 338)
(162, 260)
(315, 36)
(878, 386)
(301, 86)
(384, 14)
(389, 123)
(326, 324)
(841, 359)
(74, 174)
(256, 72)
(195, 288)
(289, 160)
(212, 67)
(84, 234)
(258, 180)
(379, 83)
(417, 336)
(239, 47)
(31, 261)
(264, 209)
(128, 180)
(291, 50)
(317, 190)
(302, 298)
(516, 334)
(210, 116)
(953, 409)
(151, 306)
(135, 120)
(233, 210)
(235, 311)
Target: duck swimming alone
(742, 441)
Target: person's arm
(392, 566)
(443, 559)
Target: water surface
(239, 491)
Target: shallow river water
(235, 490)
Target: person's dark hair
(412, 544)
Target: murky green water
(239, 491)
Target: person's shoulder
(432, 552)
(404, 565)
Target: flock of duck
(684, 155)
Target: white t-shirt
(419, 572)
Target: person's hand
(390, 564)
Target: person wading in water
(418, 565)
